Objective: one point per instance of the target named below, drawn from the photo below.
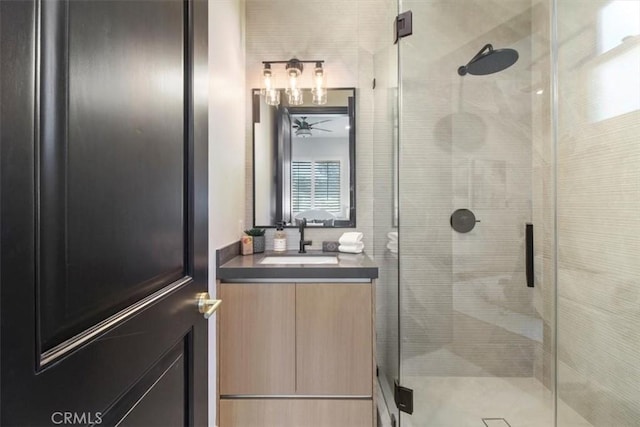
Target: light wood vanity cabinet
(257, 339)
(334, 350)
(296, 354)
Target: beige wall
(343, 33)
(598, 220)
(226, 144)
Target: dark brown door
(103, 197)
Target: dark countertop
(350, 266)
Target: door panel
(283, 167)
(159, 397)
(104, 248)
(114, 225)
(152, 409)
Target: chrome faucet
(303, 243)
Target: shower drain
(495, 422)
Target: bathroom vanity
(296, 340)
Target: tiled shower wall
(598, 210)
(346, 34)
(466, 142)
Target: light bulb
(294, 93)
(319, 90)
(268, 82)
(268, 90)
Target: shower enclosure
(507, 153)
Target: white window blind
(315, 185)
(301, 186)
(326, 186)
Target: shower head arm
(488, 48)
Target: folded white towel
(350, 238)
(393, 236)
(352, 249)
(393, 247)
(355, 246)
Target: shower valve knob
(463, 220)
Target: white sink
(299, 260)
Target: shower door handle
(529, 254)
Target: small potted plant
(258, 239)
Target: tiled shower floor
(465, 401)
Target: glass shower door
(385, 215)
(476, 339)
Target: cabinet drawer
(295, 413)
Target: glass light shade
(272, 97)
(319, 96)
(294, 93)
(268, 81)
(295, 96)
(319, 90)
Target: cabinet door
(334, 339)
(257, 338)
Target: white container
(280, 240)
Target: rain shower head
(489, 61)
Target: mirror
(304, 161)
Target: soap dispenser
(280, 238)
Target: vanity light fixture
(294, 68)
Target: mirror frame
(351, 111)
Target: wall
(344, 34)
(226, 144)
(598, 205)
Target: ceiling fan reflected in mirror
(303, 128)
